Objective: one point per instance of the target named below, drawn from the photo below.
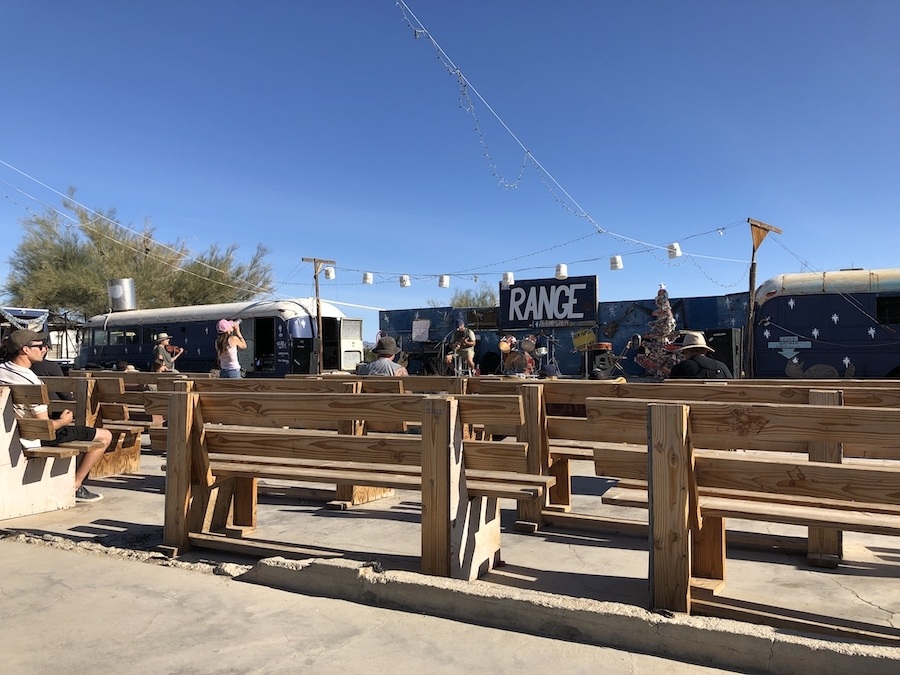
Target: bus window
(122, 337)
(888, 309)
(101, 338)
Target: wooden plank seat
(221, 444)
(43, 430)
(90, 408)
(570, 440)
(625, 420)
(689, 469)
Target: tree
(658, 358)
(485, 296)
(65, 266)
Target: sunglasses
(40, 345)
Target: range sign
(549, 303)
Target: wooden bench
(103, 403)
(343, 496)
(221, 444)
(40, 479)
(693, 490)
(570, 440)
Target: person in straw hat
(386, 349)
(697, 363)
(163, 358)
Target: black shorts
(73, 432)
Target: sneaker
(82, 494)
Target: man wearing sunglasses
(20, 350)
(47, 368)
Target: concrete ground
(582, 588)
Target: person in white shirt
(20, 350)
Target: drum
(507, 344)
(518, 363)
(541, 351)
(529, 342)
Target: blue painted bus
(844, 323)
(280, 337)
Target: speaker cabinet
(729, 347)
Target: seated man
(463, 347)
(20, 350)
(697, 363)
(386, 349)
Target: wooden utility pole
(317, 267)
(758, 231)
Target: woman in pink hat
(227, 344)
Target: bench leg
(126, 458)
(561, 493)
(708, 550)
(476, 539)
(346, 496)
(245, 502)
(211, 507)
(825, 547)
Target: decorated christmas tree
(658, 355)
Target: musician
(517, 361)
(463, 345)
(164, 354)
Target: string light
(562, 272)
(673, 249)
(615, 263)
(467, 104)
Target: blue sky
(328, 130)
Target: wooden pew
(693, 490)
(625, 421)
(221, 444)
(567, 398)
(104, 403)
(343, 496)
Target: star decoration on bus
(815, 333)
(871, 332)
(767, 334)
(835, 318)
(791, 303)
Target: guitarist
(463, 345)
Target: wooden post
(442, 471)
(178, 470)
(758, 232)
(534, 432)
(825, 545)
(669, 497)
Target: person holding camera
(228, 342)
